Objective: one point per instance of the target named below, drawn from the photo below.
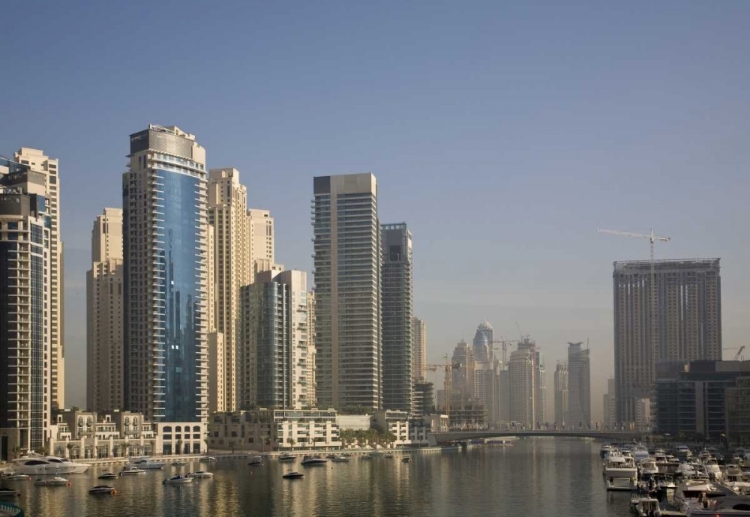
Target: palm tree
(179, 446)
(268, 440)
(17, 451)
(70, 449)
(291, 442)
(206, 440)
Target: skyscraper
(686, 324)
(539, 379)
(227, 213)
(165, 234)
(104, 314)
(25, 287)
(397, 314)
(462, 375)
(483, 343)
(275, 309)
(260, 228)
(311, 351)
(561, 393)
(49, 170)
(579, 371)
(347, 291)
(521, 373)
(419, 349)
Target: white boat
(53, 481)
(146, 464)
(102, 490)
(645, 507)
(691, 491)
(738, 487)
(604, 450)
(130, 470)
(621, 469)
(37, 465)
(16, 477)
(621, 484)
(713, 470)
(720, 507)
(649, 468)
(286, 457)
(255, 460)
(685, 470)
(201, 474)
(640, 453)
(293, 475)
(178, 480)
(208, 458)
(340, 458)
(107, 475)
(179, 463)
(311, 461)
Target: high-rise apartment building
(686, 323)
(165, 235)
(25, 290)
(561, 393)
(483, 340)
(260, 230)
(48, 168)
(227, 213)
(608, 413)
(397, 314)
(311, 351)
(275, 319)
(539, 378)
(104, 314)
(347, 291)
(521, 374)
(462, 375)
(419, 349)
(579, 378)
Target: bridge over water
(461, 436)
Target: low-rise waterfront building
(395, 422)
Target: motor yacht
(388, 455)
(640, 453)
(340, 458)
(16, 477)
(648, 468)
(255, 461)
(311, 461)
(286, 457)
(38, 465)
(645, 507)
(738, 487)
(179, 463)
(621, 469)
(131, 470)
(102, 490)
(208, 458)
(406, 459)
(53, 481)
(293, 475)
(201, 474)
(178, 480)
(733, 472)
(685, 470)
(721, 507)
(691, 491)
(146, 464)
(713, 470)
(604, 450)
(8, 492)
(108, 475)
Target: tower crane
(738, 355)
(504, 343)
(449, 367)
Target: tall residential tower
(347, 292)
(579, 375)
(165, 235)
(419, 349)
(561, 393)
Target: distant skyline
(503, 135)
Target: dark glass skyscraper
(165, 249)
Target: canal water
(535, 477)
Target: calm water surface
(535, 477)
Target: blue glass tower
(165, 250)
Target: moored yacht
(309, 461)
(721, 507)
(53, 481)
(604, 450)
(648, 468)
(38, 465)
(621, 469)
(286, 457)
(147, 464)
(693, 491)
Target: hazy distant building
(104, 315)
(311, 351)
(424, 399)
(608, 409)
(419, 349)
(483, 342)
(347, 292)
(521, 372)
(462, 384)
(539, 379)
(579, 382)
(25, 330)
(165, 237)
(503, 394)
(397, 314)
(687, 322)
(561, 392)
(48, 170)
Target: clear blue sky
(504, 134)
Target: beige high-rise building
(419, 350)
(104, 314)
(216, 345)
(311, 350)
(261, 239)
(521, 371)
(49, 167)
(227, 209)
(561, 393)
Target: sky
(503, 133)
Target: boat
(255, 461)
(201, 474)
(721, 507)
(130, 470)
(179, 463)
(178, 480)
(621, 484)
(17, 477)
(694, 490)
(37, 465)
(293, 475)
(738, 487)
(108, 475)
(102, 489)
(406, 459)
(640, 453)
(604, 450)
(713, 470)
(287, 457)
(623, 467)
(685, 470)
(648, 468)
(311, 461)
(388, 455)
(645, 507)
(340, 458)
(53, 481)
(146, 464)
(8, 492)
(208, 458)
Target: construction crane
(651, 239)
(738, 355)
(505, 343)
(449, 367)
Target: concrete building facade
(579, 382)
(521, 373)
(539, 378)
(165, 235)
(561, 393)
(347, 277)
(419, 349)
(678, 318)
(397, 315)
(104, 315)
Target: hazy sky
(504, 135)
